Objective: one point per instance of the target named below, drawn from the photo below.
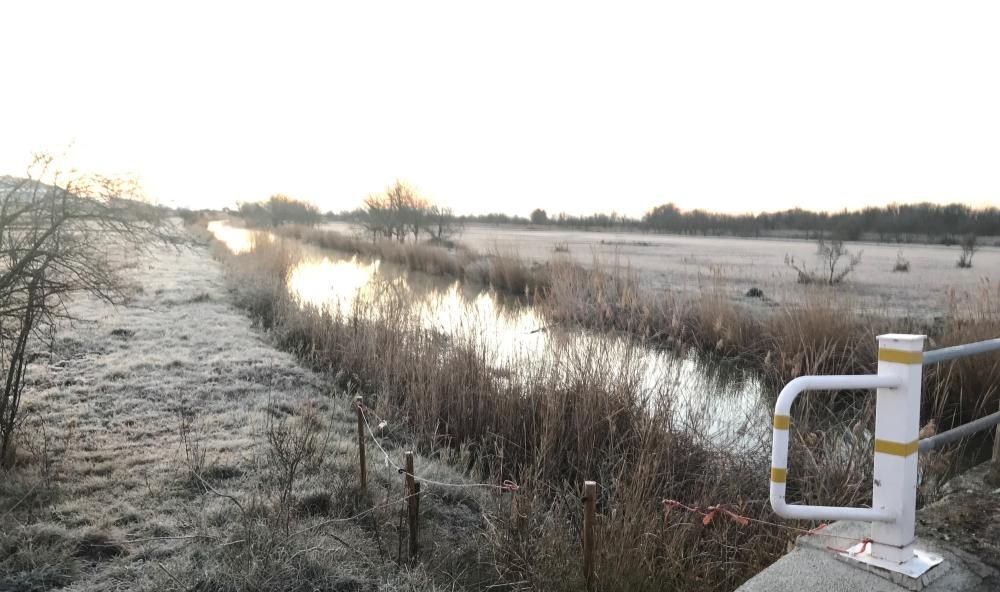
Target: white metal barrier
(897, 428)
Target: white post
(897, 427)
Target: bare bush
(294, 446)
(969, 248)
(59, 235)
(836, 263)
(902, 265)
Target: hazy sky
(505, 106)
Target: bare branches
(399, 212)
(837, 262)
(61, 234)
(969, 248)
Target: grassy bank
(169, 446)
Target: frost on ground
(155, 451)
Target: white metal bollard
(897, 427)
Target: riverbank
(818, 330)
(150, 461)
(547, 421)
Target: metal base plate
(914, 568)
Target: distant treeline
(922, 222)
(892, 223)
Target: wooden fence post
(589, 509)
(993, 474)
(996, 449)
(516, 515)
(361, 441)
(412, 491)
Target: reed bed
(503, 269)
(548, 423)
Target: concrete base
(961, 528)
(816, 565)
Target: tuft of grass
(96, 545)
(902, 265)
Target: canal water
(726, 400)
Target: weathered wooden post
(996, 449)
(589, 509)
(993, 475)
(358, 403)
(412, 491)
(518, 517)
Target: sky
(568, 106)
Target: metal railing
(897, 425)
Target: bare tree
(969, 248)
(396, 214)
(442, 225)
(59, 235)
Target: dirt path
(135, 397)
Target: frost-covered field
(692, 265)
(133, 400)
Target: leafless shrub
(294, 445)
(832, 271)
(902, 265)
(195, 455)
(969, 248)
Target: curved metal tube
(779, 446)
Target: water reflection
(518, 338)
(237, 240)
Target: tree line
(892, 223)
(400, 213)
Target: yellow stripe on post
(781, 422)
(778, 475)
(896, 448)
(898, 356)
